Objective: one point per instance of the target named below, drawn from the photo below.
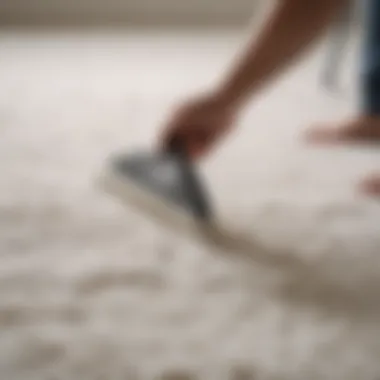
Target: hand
(199, 124)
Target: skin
(203, 122)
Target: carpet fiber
(93, 290)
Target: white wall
(130, 10)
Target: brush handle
(178, 148)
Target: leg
(367, 125)
(336, 45)
(371, 75)
(371, 82)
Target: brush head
(165, 184)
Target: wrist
(229, 98)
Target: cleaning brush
(166, 184)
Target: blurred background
(127, 13)
(93, 290)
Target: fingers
(196, 140)
(196, 127)
(194, 143)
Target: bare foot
(359, 130)
(371, 186)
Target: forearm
(291, 28)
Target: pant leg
(371, 73)
(337, 44)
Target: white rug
(92, 290)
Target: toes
(321, 135)
(371, 186)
